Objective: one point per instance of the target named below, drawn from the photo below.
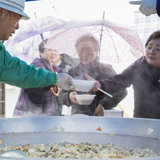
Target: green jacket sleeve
(15, 72)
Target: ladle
(13, 153)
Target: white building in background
(145, 26)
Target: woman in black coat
(87, 48)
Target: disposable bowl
(83, 85)
(85, 99)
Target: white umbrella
(24, 44)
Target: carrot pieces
(23, 147)
(4, 133)
(119, 156)
(78, 145)
(99, 129)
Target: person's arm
(108, 102)
(148, 7)
(64, 98)
(116, 86)
(13, 71)
(120, 81)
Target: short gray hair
(88, 37)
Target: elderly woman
(144, 75)
(87, 48)
(39, 101)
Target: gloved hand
(148, 7)
(63, 80)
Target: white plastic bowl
(83, 85)
(85, 99)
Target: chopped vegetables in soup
(82, 150)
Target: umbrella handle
(52, 91)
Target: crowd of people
(36, 79)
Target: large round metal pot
(131, 132)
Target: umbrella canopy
(27, 50)
(119, 43)
(35, 27)
(24, 44)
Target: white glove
(63, 80)
(148, 7)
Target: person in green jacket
(13, 71)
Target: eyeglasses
(85, 50)
(153, 50)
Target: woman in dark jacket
(87, 48)
(144, 75)
(39, 101)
